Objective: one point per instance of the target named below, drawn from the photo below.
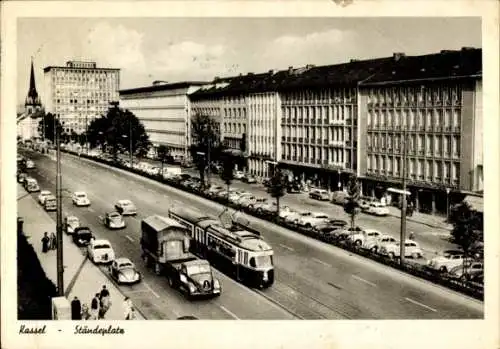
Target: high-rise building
(79, 92)
(28, 121)
(164, 110)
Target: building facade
(79, 92)
(165, 111)
(428, 124)
(28, 121)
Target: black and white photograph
(206, 167)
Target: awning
(475, 202)
(398, 191)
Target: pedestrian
(412, 236)
(105, 302)
(85, 312)
(76, 309)
(45, 242)
(129, 309)
(53, 241)
(94, 307)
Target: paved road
(314, 280)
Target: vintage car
(412, 249)
(80, 198)
(70, 224)
(43, 195)
(82, 236)
(31, 185)
(126, 207)
(319, 194)
(100, 251)
(468, 270)
(123, 271)
(50, 203)
(377, 209)
(363, 238)
(312, 219)
(21, 177)
(114, 220)
(447, 261)
(196, 279)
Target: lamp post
(448, 204)
(60, 267)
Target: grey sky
(174, 49)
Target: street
(313, 280)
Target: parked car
(381, 240)
(114, 220)
(82, 236)
(313, 219)
(100, 251)
(126, 207)
(43, 195)
(412, 249)
(339, 198)
(70, 224)
(80, 198)
(21, 177)
(238, 175)
(447, 261)
(31, 185)
(336, 223)
(319, 194)
(377, 209)
(238, 201)
(123, 271)
(468, 270)
(50, 203)
(213, 190)
(365, 237)
(249, 179)
(255, 204)
(295, 216)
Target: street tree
(467, 230)
(163, 153)
(119, 129)
(227, 173)
(205, 132)
(351, 207)
(47, 125)
(277, 188)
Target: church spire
(32, 99)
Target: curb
(420, 222)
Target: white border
(454, 334)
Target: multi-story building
(424, 112)
(165, 111)
(79, 92)
(28, 120)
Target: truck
(165, 248)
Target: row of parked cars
(365, 241)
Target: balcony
(325, 141)
(283, 138)
(301, 120)
(301, 139)
(294, 139)
(288, 139)
(318, 161)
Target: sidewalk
(81, 277)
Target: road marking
(321, 262)
(153, 292)
(129, 238)
(363, 280)
(287, 247)
(418, 303)
(229, 312)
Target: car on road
(50, 203)
(100, 251)
(382, 240)
(239, 175)
(337, 223)
(80, 198)
(447, 261)
(82, 236)
(43, 195)
(312, 219)
(70, 224)
(123, 271)
(412, 249)
(21, 177)
(467, 271)
(377, 209)
(126, 207)
(339, 198)
(30, 164)
(114, 220)
(213, 190)
(319, 194)
(253, 206)
(249, 179)
(365, 237)
(31, 185)
(295, 216)
(196, 279)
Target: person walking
(94, 307)
(411, 236)
(105, 302)
(85, 312)
(53, 241)
(45, 242)
(129, 309)
(76, 309)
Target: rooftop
(161, 86)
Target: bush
(34, 289)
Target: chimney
(290, 69)
(398, 55)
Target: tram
(237, 252)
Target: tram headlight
(264, 276)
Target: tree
(352, 206)
(119, 129)
(227, 173)
(277, 188)
(46, 125)
(163, 153)
(205, 133)
(467, 229)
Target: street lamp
(448, 204)
(60, 268)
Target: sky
(180, 49)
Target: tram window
(261, 261)
(252, 262)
